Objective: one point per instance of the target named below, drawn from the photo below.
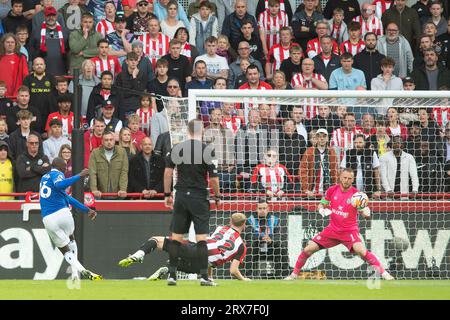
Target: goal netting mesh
(273, 168)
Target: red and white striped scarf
(187, 51)
(43, 47)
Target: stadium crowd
(131, 53)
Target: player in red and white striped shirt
(381, 6)
(145, 113)
(224, 245)
(106, 26)
(342, 138)
(309, 80)
(270, 23)
(104, 61)
(313, 47)
(271, 177)
(354, 44)
(279, 52)
(369, 22)
(155, 43)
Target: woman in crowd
(65, 153)
(126, 143)
(187, 49)
(171, 24)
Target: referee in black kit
(194, 161)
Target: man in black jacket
(131, 82)
(31, 166)
(233, 23)
(266, 239)
(325, 119)
(17, 139)
(102, 92)
(292, 146)
(334, 62)
(439, 75)
(369, 60)
(23, 103)
(145, 174)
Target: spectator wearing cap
(72, 12)
(50, 42)
(112, 124)
(137, 22)
(131, 82)
(106, 26)
(319, 166)
(6, 171)
(39, 17)
(119, 40)
(55, 139)
(31, 165)
(63, 114)
(160, 10)
(83, 42)
(409, 84)
(144, 63)
(431, 76)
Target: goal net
(278, 152)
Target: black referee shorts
(190, 207)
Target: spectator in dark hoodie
(15, 18)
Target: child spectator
(242, 77)
(437, 18)
(354, 44)
(4, 131)
(271, 177)
(136, 134)
(270, 23)
(203, 26)
(56, 139)
(145, 113)
(158, 86)
(106, 26)
(22, 36)
(338, 27)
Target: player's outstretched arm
(61, 183)
(77, 204)
(235, 272)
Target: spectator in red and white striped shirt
(313, 47)
(307, 79)
(155, 43)
(106, 26)
(271, 177)
(279, 52)
(229, 118)
(342, 138)
(369, 22)
(270, 23)
(104, 61)
(381, 6)
(354, 44)
(145, 113)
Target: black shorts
(187, 260)
(190, 207)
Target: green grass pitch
(227, 290)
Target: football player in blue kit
(57, 217)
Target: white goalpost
(409, 231)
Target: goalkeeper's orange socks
(300, 262)
(372, 260)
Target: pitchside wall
(413, 238)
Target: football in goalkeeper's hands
(360, 200)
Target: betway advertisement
(411, 245)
